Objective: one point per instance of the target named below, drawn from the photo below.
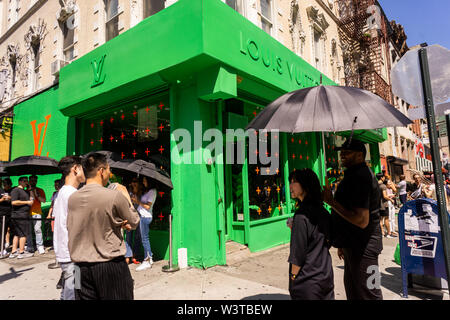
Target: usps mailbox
(421, 248)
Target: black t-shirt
(22, 211)
(5, 206)
(309, 250)
(358, 189)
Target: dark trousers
(109, 280)
(361, 276)
(403, 198)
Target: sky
(423, 20)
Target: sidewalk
(261, 275)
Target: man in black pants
(356, 223)
(96, 216)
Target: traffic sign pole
(436, 159)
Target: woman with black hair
(310, 268)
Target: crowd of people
(91, 218)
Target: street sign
(406, 76)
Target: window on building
(37, 57)
(266, 15)
(317, 49)
(112, 19)
(68, 42)
(237, 5)
(153, 6)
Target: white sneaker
(144, 265)
(41, 250)
(24, 255)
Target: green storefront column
(375, 157)
(194, 193)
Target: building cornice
(22, 20)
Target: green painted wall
(53, 138)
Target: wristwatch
(292, 276)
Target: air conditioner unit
(57, 65)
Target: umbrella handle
(353, 128)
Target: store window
(238, 5)
(266, 187)
(153, 6)
(138, 130)
(266, 15)
(112, 19)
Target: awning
(395, 160)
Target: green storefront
(142, 93)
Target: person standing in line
(72, 175)
(391, 191)
(54, 265)
(401, 187)
(133, 243)
(310, 267)
(418, 187)
(36, 214)
(96, 216)
(21, 203)
(5, 213)
(384, 207)
(355, 227)
(145, 209)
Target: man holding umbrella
(356, 223)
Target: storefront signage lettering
(37, 136)
(271, 60)
(97, 68)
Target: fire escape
(363, 47)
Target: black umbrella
(328, 109)
(130, 167)
(32, 165)
(2, 169)
(110, 156)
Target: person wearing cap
(356, 230)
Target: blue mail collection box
(421, 248)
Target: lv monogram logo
(97, 67)
(37, 137)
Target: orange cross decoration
(257, 170)
(292, 140)
(161, 149)
(258, 190)
(270, 209)
(279, 208)
(122, 116)
(161, 105)
(293, 156)
(259, 211)
(278, 189)
(161, 194)
(267, 170)
(146, 109)
(277, 171)
(307, 157)
(268, 189)
(300, 141)
(161, 127)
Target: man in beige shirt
(96, 216)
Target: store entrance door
(236, 181)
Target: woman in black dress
(310, 268)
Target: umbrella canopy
(110, 156)
(130, 167)
(2, 169)
(328, 109)
(32, 165)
